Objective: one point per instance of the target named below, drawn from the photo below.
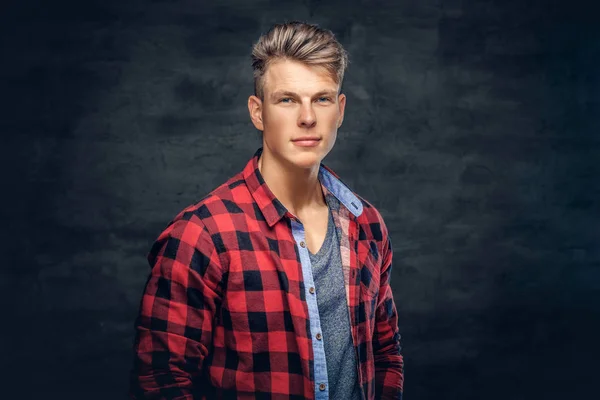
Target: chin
(306, 159)
(297, 157)
(307, 164)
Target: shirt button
(311, 290)
(322, 387)
(302, 244)
(318, 336)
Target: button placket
(320, 368)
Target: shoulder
(196, 226)
(372, 220)
(231, 197)
(374, 229)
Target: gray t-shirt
(335, 323)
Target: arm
(389, 364)
(174, 325)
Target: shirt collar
(273, 210)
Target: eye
(322, 99)
(285, 100)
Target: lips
(306, 141)
(306, 138)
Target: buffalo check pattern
(224, 311)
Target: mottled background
(472, 126)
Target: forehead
(297, 77)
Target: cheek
(332, 139)
(274, 127)
(330, 119)
(275, 118)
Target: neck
(298, 189)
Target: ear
(255, 110)
(342, 107)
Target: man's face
(299, 101)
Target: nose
(307, 118)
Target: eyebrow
(286, 93)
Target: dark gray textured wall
(472, 126)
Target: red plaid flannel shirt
(224, 312)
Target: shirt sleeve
(175, 321)
(389, 363)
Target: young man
(276, 284)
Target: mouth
(306, 141)
(304, 138)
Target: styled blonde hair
(298, 41)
